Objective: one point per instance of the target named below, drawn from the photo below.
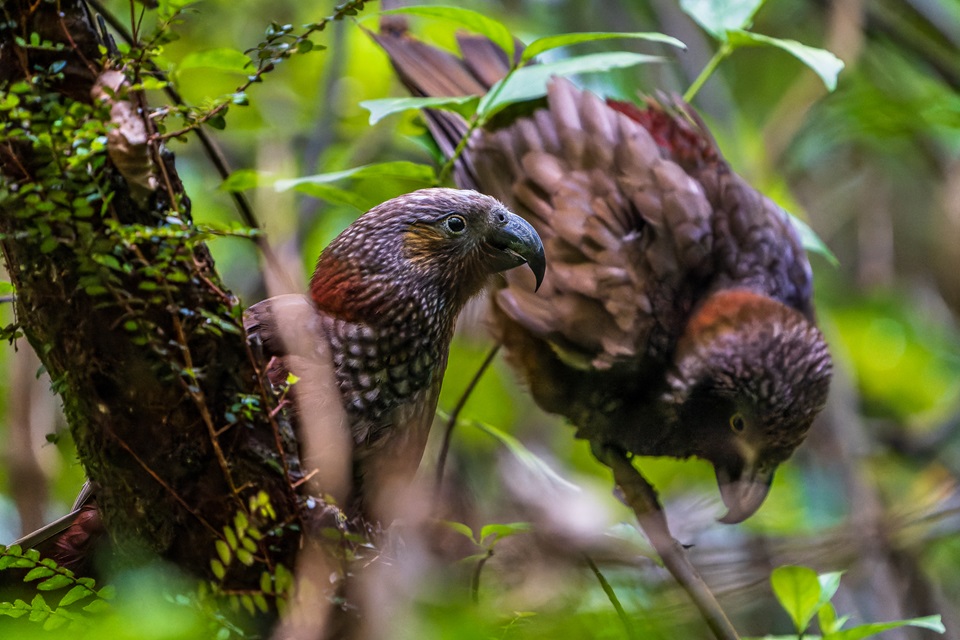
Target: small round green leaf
(798, 590)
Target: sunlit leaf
(469, 20)
(55, 582)
(822, 62)
(798, 590)
(501, 531)
(547, 43)
(460, 528)
(240, 180)
(226, 60)
(932, 623)
(78, 592)
(38, 572)
(6, 288)
(811, 241)
(719, 16)
(381, 108)
(829, 583)
(531, 82)
(413, 171)
(827, 618)
(336, 195)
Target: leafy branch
(803, 594)
(485, 541)
(48, 576)
(729, 24)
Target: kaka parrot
(677, 318)
(383, 302)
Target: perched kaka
(676, 319)
(383, 302)
(382, 307)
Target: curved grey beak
(743, 489)
(517, 242)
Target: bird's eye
(737, 423)
(455, 224)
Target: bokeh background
(873, 167)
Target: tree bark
(119, 297)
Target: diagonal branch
(640, 496)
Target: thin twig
(176, 496)
(454, 416)
(611, 596)
(210, 147)
(642, 498)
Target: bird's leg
(639, 495)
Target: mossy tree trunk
(119, 297)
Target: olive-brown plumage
(676, 319)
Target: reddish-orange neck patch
(724, 308)
(339, 290)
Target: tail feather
(428, 71)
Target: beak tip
(732, 517)
(743, 496)
(539, 267)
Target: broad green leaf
(380, 109)
(470, 20)
(719, 16)
(547, 43)
(866, 630)
(227, 60)
(460, 528)
(240, 180)
(811, 241)
(531, 460)
(336, 195)
(5, 290)
(502, 531)
(822, 62)
(798, 590)
(401, 169)
(531, 82)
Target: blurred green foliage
(864, 166)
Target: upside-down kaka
(383, 302)
(676, 319)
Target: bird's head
(750, 374)
(432, 242)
